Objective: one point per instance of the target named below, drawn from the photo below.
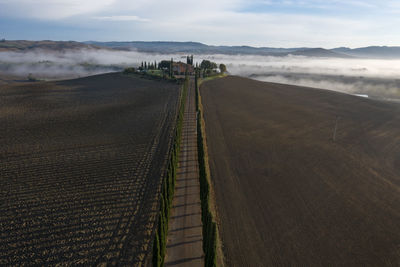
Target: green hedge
(168, 187)
(209, 225)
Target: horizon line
(198, 42)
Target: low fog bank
(377, 78)
(52, 70)
(374, 77)
(379, 88)
(44, 64)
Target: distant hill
(152, 47)
(22, 45)
(387, 52)
(319, 52)
(199, 48)
(161, 47)
(189, 47)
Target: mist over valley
(375, 77)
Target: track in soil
(81, 166)
(287, 195)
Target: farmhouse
(181, 68)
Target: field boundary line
(216, 255)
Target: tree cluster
(208, 65)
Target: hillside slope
(287, 195)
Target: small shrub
(129, 70)
(31, 78)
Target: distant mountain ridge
(23, 45)
(165, 47)
(319, 52)
(386, 52)
(200, 48)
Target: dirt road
(184, 245)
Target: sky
(268, 23)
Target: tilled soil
(81, 166)
(287, 194)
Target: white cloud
(60, 9)
(236, 22)
(122, 18)
(327, 4)
(51, 9)
(257, 29)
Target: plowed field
(81, 166)
(287, 195)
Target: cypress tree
(156, 251)
(195, 82)
(162, 237)
(171, 68)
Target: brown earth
(6, 79)
(287, 195)
(81, 166)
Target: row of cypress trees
(149, 65)
(168, 188)
(209, 225)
